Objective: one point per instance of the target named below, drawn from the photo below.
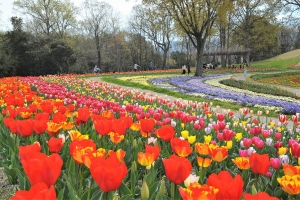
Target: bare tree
(96, 22)
(50, 17)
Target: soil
(6, 190)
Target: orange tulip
(53, 128)
(76, 135)
(145, 159)
(135, 127)
(291, 170)
(202, 148)
(181, 147)
(120, 154)
(204, 162)
(116, 138)
(198, 191)
(67, 125)
(79, 148)
(218, 153)
(241, 162)
(155, 150)
(290, 184)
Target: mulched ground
(6, 190)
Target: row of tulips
(69, 138)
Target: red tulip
(177, 169)
(166, 133)
(147, 126)
(229, 188)
(83, 115)
(260, 164)
(59, 118)
(36, 192)
(103, 127)
(295, 149)
(108, 173)
(25, 127)
(40, 126)
(41, 168)
(119, 126)
(55, 145)
(260, 195)
(26, 151)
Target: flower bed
(214, 90)
(68, 138)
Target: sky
(6, 9)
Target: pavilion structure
(245, 53)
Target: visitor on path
(151, 66)
(188, 68)
(135, 67)
(245, 68)
(96, 69)
(183, 69)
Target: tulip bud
(162, 187)
(140, 142)
(133, 166)
(134, 144)
(116, 197)
(145, 191)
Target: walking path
(171, 98)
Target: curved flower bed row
(69, 138)
(209, 88)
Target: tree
(297, 42)
(157, 26)
(195, 18)
(262, 38)
(249, 12)
(96, 23)
(16, 49)
(50, 17)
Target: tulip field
(66, 137)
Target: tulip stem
(173, 191)
(90, 187)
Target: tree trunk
(199, 58)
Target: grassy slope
(280, 62)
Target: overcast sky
(6, 9)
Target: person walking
(135, 67)
(188, 68)
(183, 69)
